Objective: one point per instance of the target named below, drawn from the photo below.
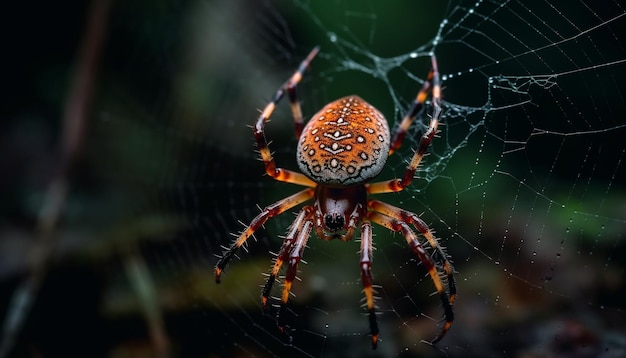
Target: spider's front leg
(366, 278)
(412, 218)
(417, 248)
(273, 210)
(283, 254)
(294, 257)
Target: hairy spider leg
(281, 174)
(283, 254)
(417, 248)
(295, 255)
(291, 85)
(270, 211)
(412, 218)
(409, 117)
(366, 278)
(398, 184)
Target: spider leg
(283, 254)
(412, 218)
(272, 210)
(366, 278)
(399, 184)
(409, 117)
(291, 85)
(417, 248)
(295, 255)
(281, 174)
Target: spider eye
(334, 222)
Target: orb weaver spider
(339, 150)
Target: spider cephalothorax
(336, 215)
(340, 149)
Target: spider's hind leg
(399, 184)
(271, 169)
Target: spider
(340, 149)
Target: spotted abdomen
(347, 142)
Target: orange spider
(343, 146)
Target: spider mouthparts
(218, 275)
(334, 222)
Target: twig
(75, 112)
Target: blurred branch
(140, 279)
(75, 112)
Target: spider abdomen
(345, 143)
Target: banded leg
(273, 210)
(283, 254)
(429, 264)
(409, 117)
(259, 129)
(366, 278)
(291, 85)
(399, 184)
(295, 255)
(412, 218)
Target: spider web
(524, 185)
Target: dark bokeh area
(127, 161)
